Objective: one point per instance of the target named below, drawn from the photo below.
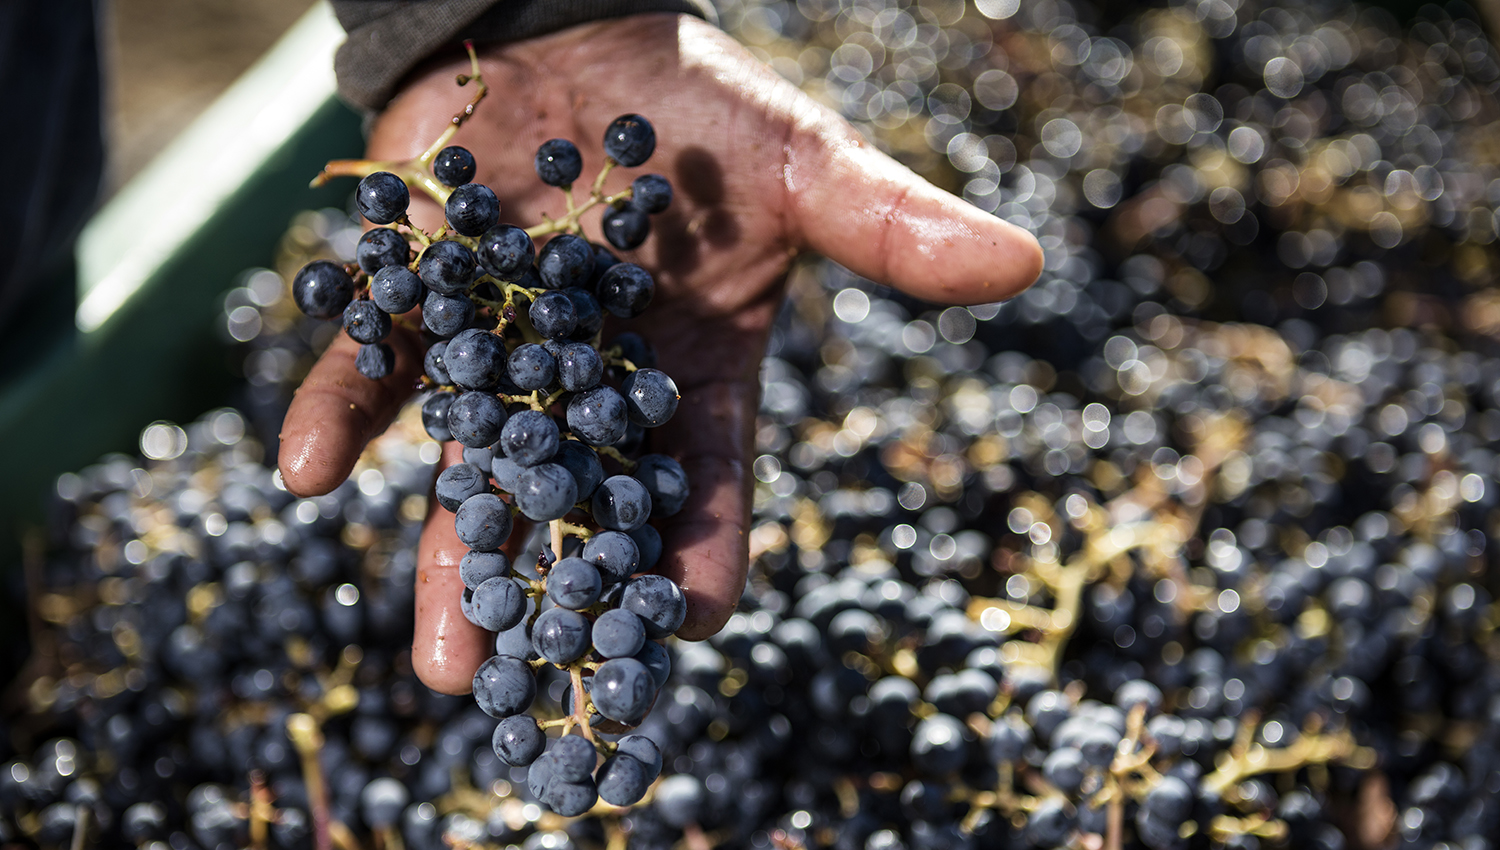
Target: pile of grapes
(1185, 547)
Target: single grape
(445, 315)
(621, 503)
(560, 636)
(380, 248)
(518, 741)
(453, 166)
(587, 314)
(631, 441)
(598, 417)
(630, 140)
(322, 289)
(546, 492)
(558, 162)
(552, 314)
(396, 289)
(381, 802)
(433, 365)
(665, 480)
(504, 686)
(571, 799)
(604, 260)
(477, 567)
(574, 583)
(618, 633)
(574, 758)
(657, 660)
(472, 209)
(375, 361)
(938, 745)
(515, 642)
(650, 193)
(529, 438)
(623, 690)
(435, 415)
(615, 554)
(506, 472)
(475, 359)
(506, 252)
(625, 227)
(531, 367)
(483, 522)
(540, 776)
(476, 419)
(650, 395)
(579, 367)
(648, 543)
(658, 601)
(622, 781)
(679, 799)
(446, 267)
(365, 322)
(481, 457)
(626, 290)
(498, 604)
(382, 197)
(583, 464)
(458, 482)
(565, 261)
(633, 347)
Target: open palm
(761, 173)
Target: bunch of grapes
(545, 411)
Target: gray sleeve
(388, 38)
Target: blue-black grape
(630, 140)
(476, 419)
(938, 745)
(623, 690)
(545, 492)
(504, 686)
(648, 543)
(621, 503)
(375, 361)
(650, 193)
(614, 553)
(458, 482)
(598, 417)
(604, 260)
(433, 365)
(561, 636)
(515, 642)
(552, 314)
(472, 209)
(573, 758)
(658, 601)
(574, 583)
(481, 456)
(657, 660)
(483, 522)
(322, 289)
(445, 315)
(518, 741)
(679, 799)
(498, 604)
(622, 781)
(626, 290)
(558, 162)
(565, 261)
(626, 227)
(506, 472)
(651, 397)
(382, 248)
(665, 480)
(453, 166)
(382, 197)
(396, 289)
(618, 633)
(530, 367)
(583, 464)
(477, 567)
(529, 438)
(382, 800)
(643, 750)
(365, 322)
(633, 347)
(475, 359)
(571, 799)
(446, 267)
(588, 316)
(435, 415)
(506, 252)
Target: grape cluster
(520, 379)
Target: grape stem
(612, 452)
(308, 739)
(80, 827)
(260, 810)
(580, 711)
(569, 222)
(557, 536)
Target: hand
(761, 173)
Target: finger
(876, 217)
(337, 410)
(446, 648)
(704, 546)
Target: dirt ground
(166, 60)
